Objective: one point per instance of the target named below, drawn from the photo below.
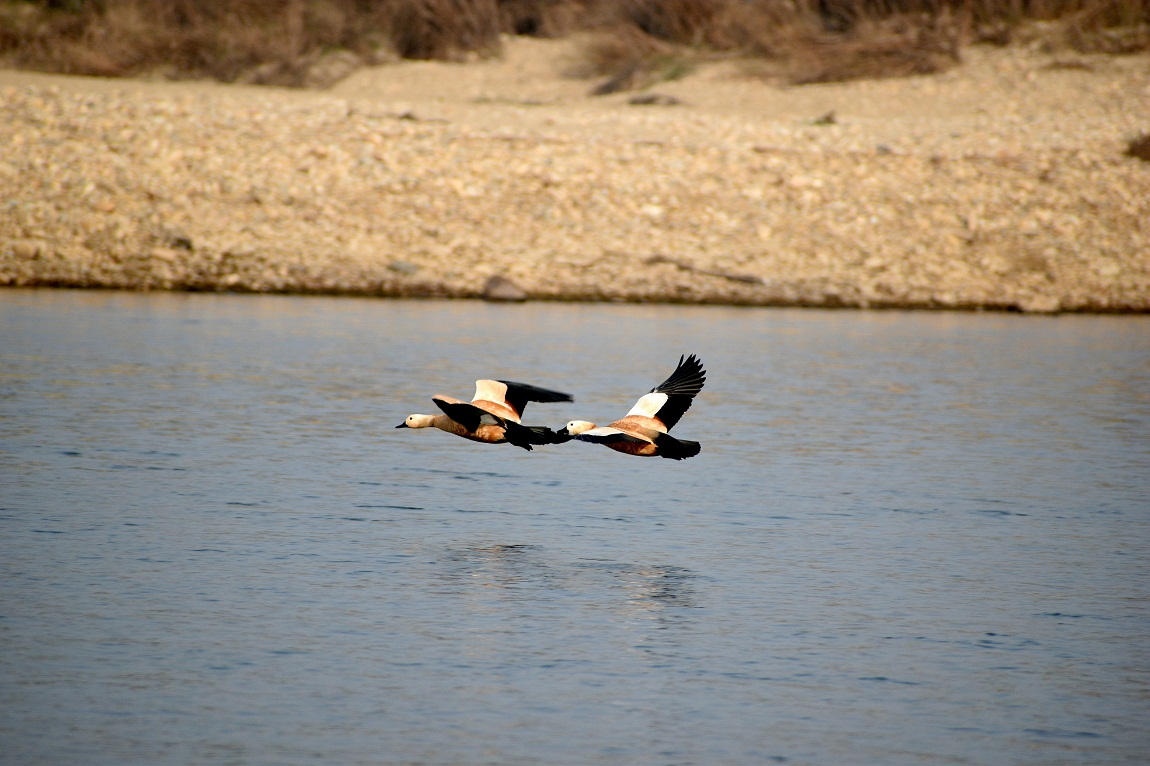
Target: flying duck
(643, 430)
(493, 415)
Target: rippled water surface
(909, 538)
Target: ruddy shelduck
(643, 430)
(493, 415)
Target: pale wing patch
(490, 391)
(648, 406)
(640, 425)
(607, 435)
(498, 409)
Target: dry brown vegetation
(317, 42)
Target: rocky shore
(1002, 184)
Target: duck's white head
(576, 427)
(417, 421)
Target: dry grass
(807, 41)
(899, 46)
(542, 18)
(272, 41)
(639, 42)
(443, 29)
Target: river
(910, 538)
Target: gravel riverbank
(1002, 184)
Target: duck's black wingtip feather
(687, 379)
(530, 393)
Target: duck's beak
(403, 425)
(562, 433)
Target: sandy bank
(1001, 184)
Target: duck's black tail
(525, 436)
(676, 449)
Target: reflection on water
(515, 567)
(909, 538)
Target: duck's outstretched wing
(468, 415)
(514, 395)
(518, 394)
(670, 399)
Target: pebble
(24, 249)
(145, 188)
(499, 288)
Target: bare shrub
(762, 29)
(830, 41)
(616, 50)
(751, 27)
(230, 40)
(625, 56)
(895, 47)
(542, 18)
(1110, 26)
(686, 22)
(642, 42)
(444, 29)
(1088, 26)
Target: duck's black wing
(680, 389)
(468, 415)
(518, 394)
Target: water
(909, 538)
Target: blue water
(910, 538)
